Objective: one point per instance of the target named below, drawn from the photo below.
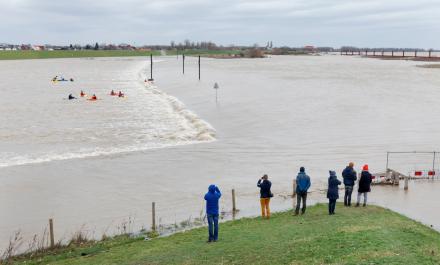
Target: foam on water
(157, 120)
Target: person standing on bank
(212, 198)
(265, 194)
(332, 192)
(349, 176)
(302, 186)
(364, 185)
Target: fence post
(153, 211)
(52, 237)
(234, 208)
(405, 187)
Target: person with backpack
(212, 211)
(332, 192)
(302, 186)
(265, 194)
(349, 176)
(364, 185)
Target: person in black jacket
(349, 176)
(364, 185)
(332, 192)
(265, 194)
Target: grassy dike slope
(24, 55)
(370, 235)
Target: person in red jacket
(364, 185)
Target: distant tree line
(267, 48)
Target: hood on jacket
(211, 188)
(332, 173)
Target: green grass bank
(370, 235)
(23, 55)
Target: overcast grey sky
(364, 23)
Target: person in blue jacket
(212, 197)
(332, 192)
(302, 186)
(349, 176)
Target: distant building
(38, 47)
(125, 47)
(25, 47)
(310, 48)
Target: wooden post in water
(392, 53)
(183, 63)
(415, 53)
(383, 52)
(403, 54)
(153, 216)
(294, 194)
(151, 67)
(374, 53)
(405, 187)
(234, 208)
(294, 188)
(199, 67)
(430, 53)
(433, 166)
(52, 237)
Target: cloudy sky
(364, 23)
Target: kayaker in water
(71, 79)
(120, 94)
(94, 97)
(82, 94)
(113, 93)
(71, 97)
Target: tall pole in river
(199, 67)
(151, 67)
(183, 63)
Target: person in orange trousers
(265, 194)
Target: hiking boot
(357, 204)
(364, 205)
